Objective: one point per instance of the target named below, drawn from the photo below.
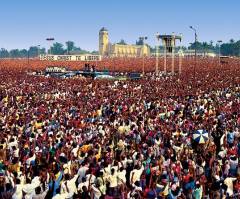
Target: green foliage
(23, 53)
(4, 53)
(95, 52)
(14, 53)
(231, 49)
(70, 46)
(57, 49)
(33, 51)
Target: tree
(197, 45)
(211, 44)
(78, 50)
(205, 47)
(4, 53)
(42, 51)
(14, 53)
(70, 46)
(33, 51)
(57, 49)
(23, 53)
(238, 48)
(231, 49)
(95, 52)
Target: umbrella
(200, 136)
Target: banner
(85, 57)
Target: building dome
(103, 29)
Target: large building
(120, 50)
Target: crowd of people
(92, 139)
(125, 64)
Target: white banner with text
(86, 57)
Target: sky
(25, 23)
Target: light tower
(103, 42)
(169, 43)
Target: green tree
(95, 52)
(205, 47)
(42, 51)
(14, 53)
(33, 51)
(211, 44)
(70, 46)
(78, 50)
(57, 49)
(237, 48)
(231, 49)
(4, 53)
(23, 53)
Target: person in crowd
(84, 138)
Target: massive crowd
(79, 138)
(113, 64)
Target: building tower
(103, 42)
(169, 44)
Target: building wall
(103, 43)
(118, 50)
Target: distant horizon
(26, 23)
(134, 43)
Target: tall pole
(180, 62)
(143, 65)
(157, 46)
(143, 54)
(195, 43)
(165, 56)
(50, 40)
(180, 57)
(173, 52)
(28, 57)
(219, 52)
(195, 65)
(38, 51)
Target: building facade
(120, 50)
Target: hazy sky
(29, 22)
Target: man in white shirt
(112, 179)
(69, 185)
(39, 193)
(113, 183)
(60, 195)
(19, 188)
(30, 159)
(29, 188)
(135, 192)
(135, 174)
(96, 191)
(121, 176)
(229, 182)
(82, 184)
